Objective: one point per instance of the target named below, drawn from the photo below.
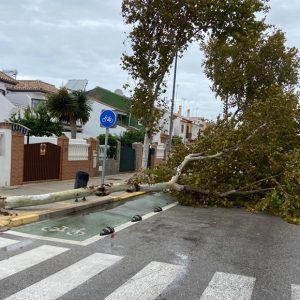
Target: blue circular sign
(108, 118)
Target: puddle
(85, 224)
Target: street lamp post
(172, 107)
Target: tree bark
(145, 151)
(73, 128)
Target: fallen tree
(132, 185)
(250, 157)
(251, 171)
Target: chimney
(188, 112)
(180, 110)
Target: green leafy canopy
(38, 121)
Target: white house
(29, 93)
(104, 99)
(17, 95)
(184, 127)
(92, 127)
(7, 108)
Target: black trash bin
(81, 180)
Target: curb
(32, 217)
(127, 196)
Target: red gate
(41, 162)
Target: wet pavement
(182, 253)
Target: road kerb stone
(127, 196)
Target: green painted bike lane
(86, 224)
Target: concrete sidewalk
(30, 214)
(57, 185)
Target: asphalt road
(182, 253)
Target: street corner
(15, 220)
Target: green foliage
(176, 140)
(285, 200)
(160, 173)
(162, 28)
(252, 65)
(39, 121)
(112, 143)
(268, 159)
(260, 151)
(69, 107)
(254, 74)
(132, 136)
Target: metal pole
(172, 107)
(105, 154)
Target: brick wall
(17, 159)
(68, 169)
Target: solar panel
(76, 84)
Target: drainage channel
(83, 228)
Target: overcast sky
(57, 40)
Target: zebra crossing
(148, 283)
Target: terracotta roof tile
(34, 86)
(6, 78)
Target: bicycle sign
(108, 118)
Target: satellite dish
(11, 73)
(119, 92)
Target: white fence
(160, 152)
(78, 150)
(40, 139)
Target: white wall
(3, 86)
(177, 123)
(5, 156)
(24, 98)
(177, 129)
(21, 99)
(195, 130)
(6, 108)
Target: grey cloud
(59, 40)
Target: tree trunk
(146, 151)
(73, 128)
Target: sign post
(108, 119)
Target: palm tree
(70, 107)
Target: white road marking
(229, 287)
(67, 279)
(295, 292)
(44, 238)
(6, 242)
(91, 239)
(147, 284)
(28, 259)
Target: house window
(122, 120)
(36, 102)
(182, 128)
